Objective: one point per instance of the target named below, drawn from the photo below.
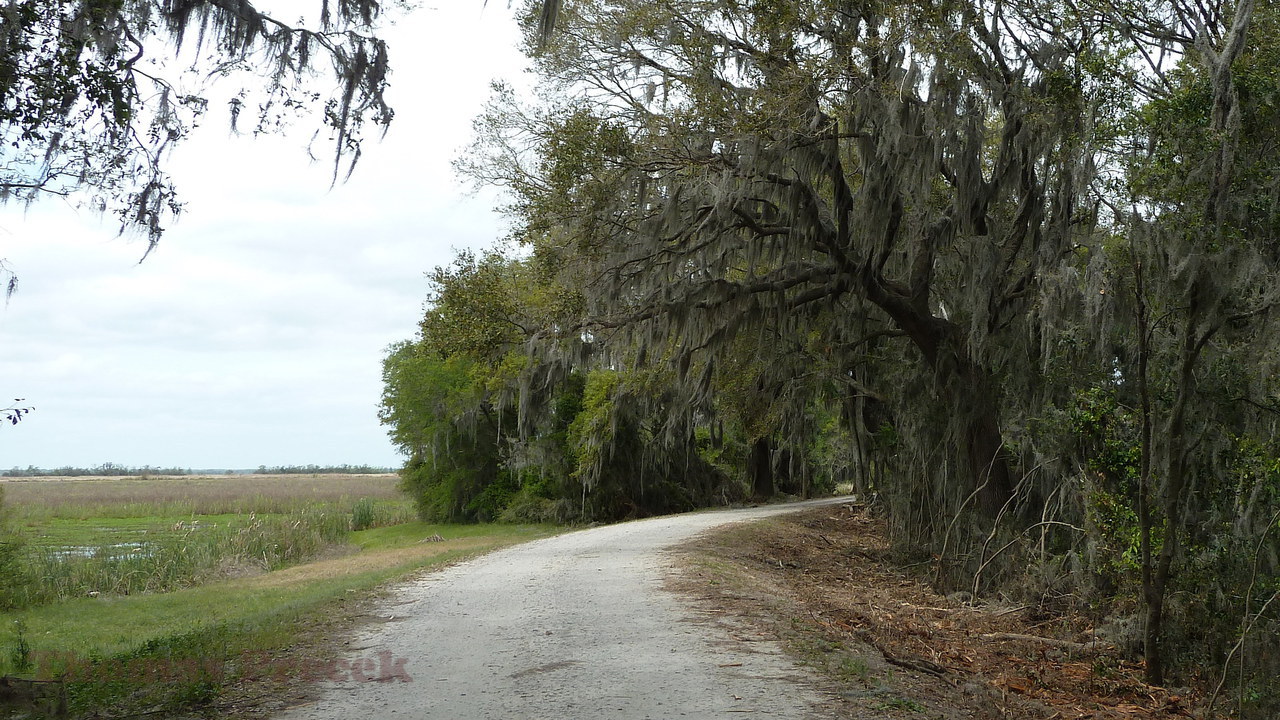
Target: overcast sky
(254, 334)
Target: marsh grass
(126, 536)
(363, 514)
(184, 558)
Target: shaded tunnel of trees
(1005, 269)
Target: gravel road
(573, 626)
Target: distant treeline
(103, 470)
(316, 469)
(114, 470)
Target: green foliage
(725, 451)
(582, 149)
(492, 501)
(634, 457)
(1109, 433)
(491, 432)
(1114, 526)
(831, 451)
(475, 312)
(441, 419)
(20, 650)
(594, 431)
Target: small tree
(14, 413)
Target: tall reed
(192, 553)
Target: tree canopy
(96, 92)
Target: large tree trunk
(970, 392)
(988, 462)
(760, 469)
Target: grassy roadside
(201, 647)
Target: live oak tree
(446, 393)
(95, 92)
(1034, 243)
(903, 174)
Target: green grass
(406, 534)
(63, 532)
(901, 704)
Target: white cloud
(254, 334)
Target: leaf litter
(824, 583)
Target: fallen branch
(915, 663)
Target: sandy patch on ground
(363, 561)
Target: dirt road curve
(575, 626)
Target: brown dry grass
(201, 494)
